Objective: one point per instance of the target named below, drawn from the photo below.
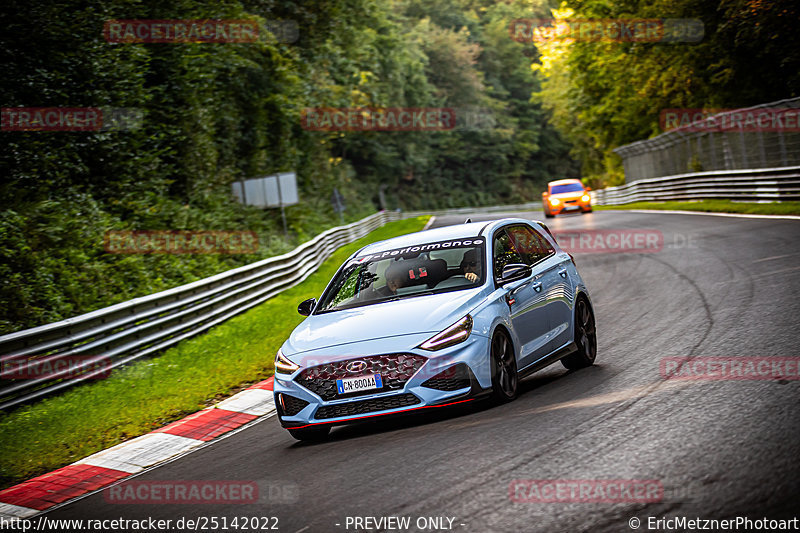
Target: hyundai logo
(356, 366)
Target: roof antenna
(468, 221)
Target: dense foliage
(605, 94)
(215, 113)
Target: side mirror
(514, 272)
(587, 189)
(306, 307)
(545, 193)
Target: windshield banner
(442, 245)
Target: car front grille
(450, 379)
(291, 405)
(366, 406)
(395, 371)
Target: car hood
(420, 314)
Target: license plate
(571, 207)
(358, 384)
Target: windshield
(429, 268)
(568, 187)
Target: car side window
(503, 253)
(531, 245)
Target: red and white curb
(103, 468)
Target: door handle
(537, 286)
(563, 273)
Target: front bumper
(453, 375)
(569, 206)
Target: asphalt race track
(721, 286)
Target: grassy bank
(715, 206)
(151, 393)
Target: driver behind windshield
(470, 266)
(394, 281)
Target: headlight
(456, 333)
(283, 365)
(554, 201)
(586, 197)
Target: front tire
(504, 368)
(548, 215)
(312, 434)
(585, 338)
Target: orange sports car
(566, 196)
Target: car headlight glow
(454, 334)
(586, 197)
(283, 365)
(554, 201)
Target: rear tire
(585, 338)
(503, 367)
(312, 434)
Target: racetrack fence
(747, 154)
(91, 345)
(765, 136)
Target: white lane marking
(429, 223)
(11, 511)
(769, 274)
(731, 215)
(251, 401)
(773, 257)
(135, 455)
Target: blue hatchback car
(432, 319)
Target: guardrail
(760, 185)
(121, 333)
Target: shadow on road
(528, 396)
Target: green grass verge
(149, 394)
(717, 206)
